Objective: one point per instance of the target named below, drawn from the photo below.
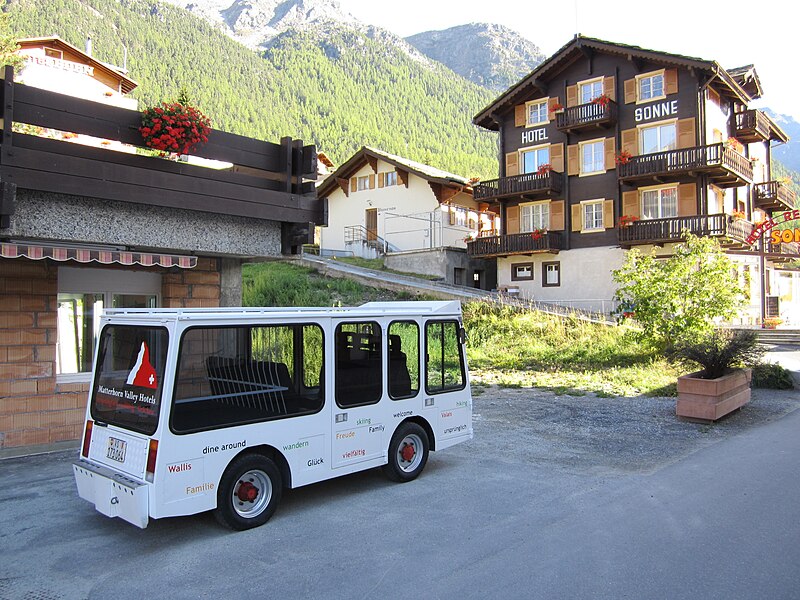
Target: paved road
(556, 497)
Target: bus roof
(369, 309)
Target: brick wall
(34, 409)
(192, 288)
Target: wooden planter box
(710, 399)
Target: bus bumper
(112, 493)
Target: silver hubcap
(409, 453)
(251, 494)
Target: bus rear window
(129, 377)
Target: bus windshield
(129, 377)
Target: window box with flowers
(623, 158)
(738, 214)
(602, 100)
(174, 127)
(557, 108)
(470, 237)
(627, 220)
(538, 233)
(733, 144)
(544, 169)
(772, 322)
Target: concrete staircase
(779, 337)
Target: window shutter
(372, 181)
(687, 199)
(512, 164)
(353, 184)
(608, 214)
(671, 81)
(572, 95)
(512, 219)
(630, 90)
(452, 215)
(557, 215)
(573, 160)
(381, 179)
(686, 135)
(551, 102)
(520, 118)
(557, 157)
(630, 141)
(577, 217)
(630, 203)
(611, 149)
(610, 87)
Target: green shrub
(719, 352)
(772, 376)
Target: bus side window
(403, 359)
(235, 375)
(444, 363)
(359, 372)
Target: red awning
(87, 255)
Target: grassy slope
(506, 347)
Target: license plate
(116, 449)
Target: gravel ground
(604, 436)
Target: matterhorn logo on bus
(143, 374)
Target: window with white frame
(589, 90)
(592, 215)
(390, 178)
(650, 86)
(537, 112)
(534, 158)
(551, 276)
(83, 293)
(362, 183)
(592, 157)
(658, 138)
(660, 203)
(534, 216)
(522, 271)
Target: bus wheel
(249, 492)
(408, 453)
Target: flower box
(711, 399)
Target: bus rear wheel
(249, 492)
(408, 453)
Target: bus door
(446, 381)
(359, 429)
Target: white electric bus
(219, 409)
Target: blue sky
(702, 28)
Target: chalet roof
(127, 84)
(581, 47)
(367, 155)
(748, 79)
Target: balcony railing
(656, 231)
(726, 167)
(773, 195)
(585, 116)
(542, 184)
(751, 126)
(782, 252)
(515, 243)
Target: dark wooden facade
(265, 180)
(691, 89)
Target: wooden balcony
(515, 243)
(732, 231)
(773, 196)
(532, 185)
(751, 126)
(254, 179)
(781, 253)
(587, 116)
(725, 166)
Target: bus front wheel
(408, 453)
(249, 492)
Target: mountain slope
(331, 85)
(788, 154)
(492, 56)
